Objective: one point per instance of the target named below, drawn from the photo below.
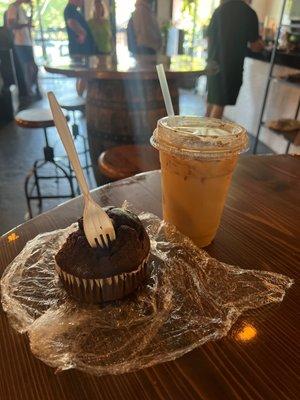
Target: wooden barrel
(123, 112)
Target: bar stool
(42, 119)
(292, 138)
(287, 127)
(124, 161)
(72, 104)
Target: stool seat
(35, 118)
(41, 118)
(293, 137)
(124, 161)
(72, 103)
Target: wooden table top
(123, 161)
(258, 358)
(124, 66)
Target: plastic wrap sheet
(189, 299)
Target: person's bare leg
(34, 78)
(81, 85)
(208, 109)
(217, 111)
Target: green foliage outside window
(196, 15)
(51, 12)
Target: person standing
(143, 26)
(20, 25)
(101, 29)
(80, 38)
(233, 26)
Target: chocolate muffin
(96, 275)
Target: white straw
(165, 89)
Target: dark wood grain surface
(257, 360)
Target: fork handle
(66, 137)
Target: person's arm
(77, 28)
(147, 29)
(211, 30)
(257, 46)
(140, 26)
(255, 42)
(156, 32)
(31, 15)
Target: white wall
(295, 11)
(263, 8)
(282, 102)
(270, 8)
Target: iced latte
(198, 157)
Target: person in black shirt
(234, 24)
(80, 38)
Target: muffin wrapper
(105, 289)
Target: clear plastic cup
(197, 156)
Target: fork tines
(104, 242)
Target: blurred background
(270, 90)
